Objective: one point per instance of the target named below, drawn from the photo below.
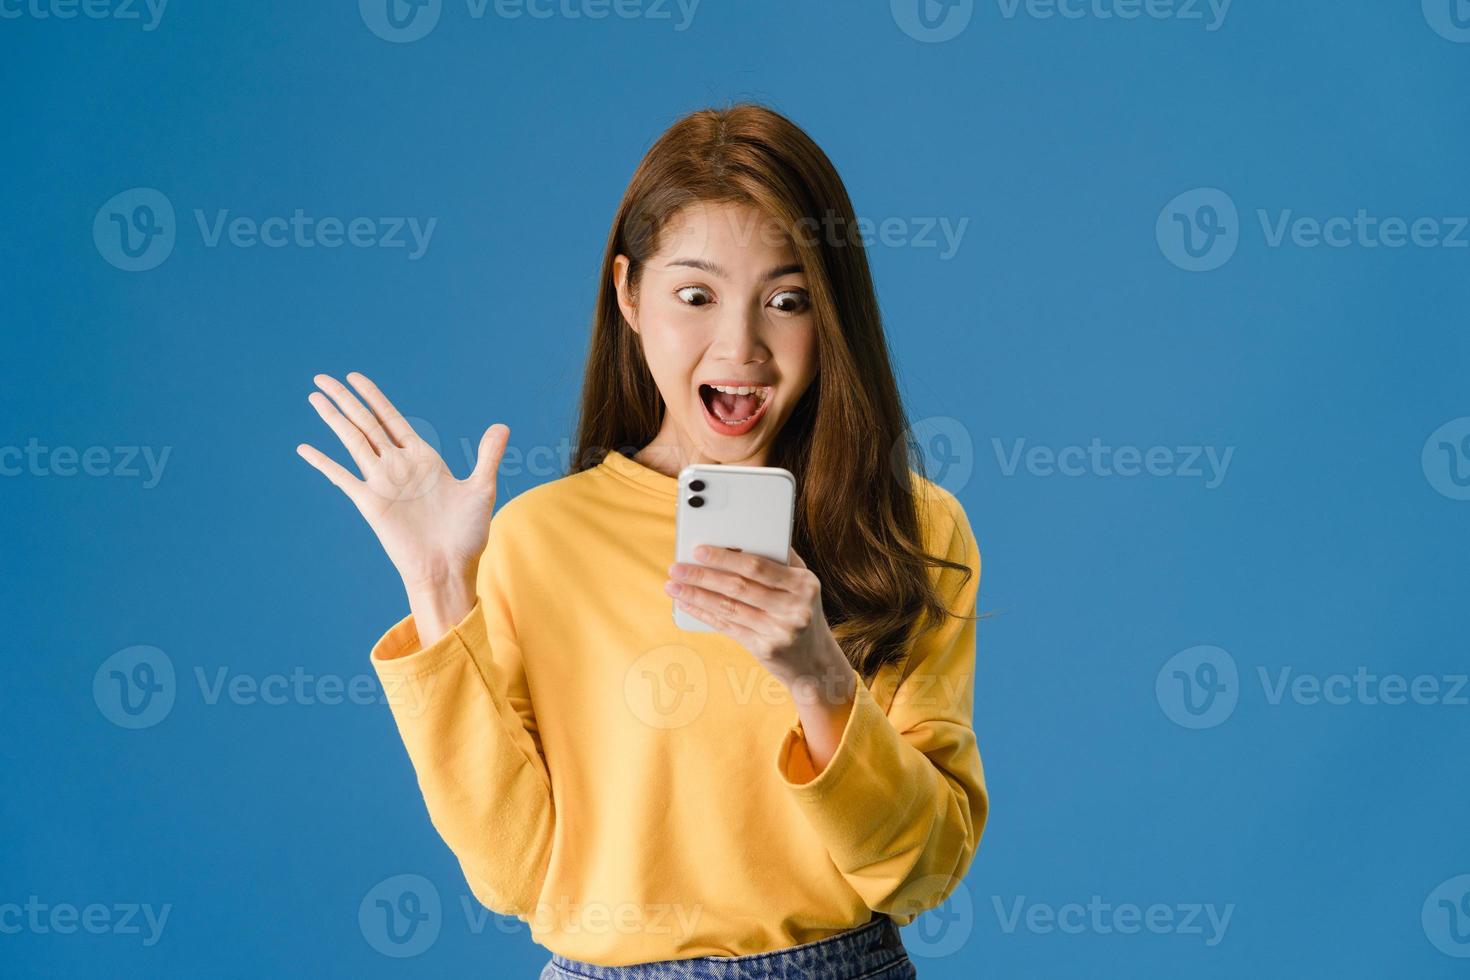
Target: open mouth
(734, 409)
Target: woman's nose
(739, 338)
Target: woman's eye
(790, 301)
(694, 295)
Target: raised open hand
(432, 526)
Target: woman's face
(723, 304)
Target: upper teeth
(740, 389)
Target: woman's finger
(390, 417)
(741, 634)
(352, 438)
(331, 469)
(727, 583)
(355, 411)
(757, 568)
(728, 609)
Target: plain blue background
(1060, 319)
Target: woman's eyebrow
(709, 267)
(715, 270)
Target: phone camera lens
(696, 501)
(696, 485)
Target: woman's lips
(721, 427)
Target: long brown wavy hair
(847, 441)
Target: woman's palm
(431, 525)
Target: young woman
(768, 800)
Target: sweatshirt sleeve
(463, 710)
(902, 803)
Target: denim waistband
(860, 952)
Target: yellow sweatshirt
(635, 792)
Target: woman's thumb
(492, 448)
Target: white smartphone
(746, 507)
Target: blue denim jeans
(872, 951)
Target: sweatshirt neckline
(634, 472)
